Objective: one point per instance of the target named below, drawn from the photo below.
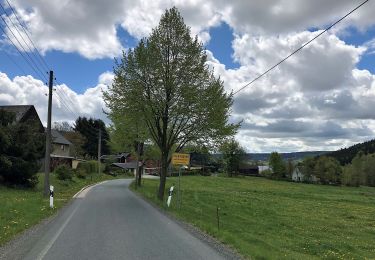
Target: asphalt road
(110, 222)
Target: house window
(62, 147)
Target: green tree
(328, 170)
(307, 168)
(167, 84)
(349, 176)
(78, 142)
(128, 134)
(22, 146)
(89, 129)
(232, 153)
(289, 168)
(277, 165)
(369, 170)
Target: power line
(61, 96)
(15, 63)
(68, 100)
(24, 28)
(62, 91)
(27, 60)
(300, 48)
(34, 66)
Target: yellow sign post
(180, 159)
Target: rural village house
(60, 148)
(25, 114)
(298, 176)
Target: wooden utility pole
(99, 149)
(47, 158)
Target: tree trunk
(139, 177)
(139, 168)
(163, 175)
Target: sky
(320, 99)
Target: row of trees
(361, 171)
(325, 169)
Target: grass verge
(266, 219)
(23, 208)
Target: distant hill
(346, 155)
(285, 156)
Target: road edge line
(88, 186)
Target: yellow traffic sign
(180, 158)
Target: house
(60, 150)
(298, 176)
(262, 168)
(130, 166)
(116, 158)
(25, 114)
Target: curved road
(110, 222)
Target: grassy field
(265, 219)
(20, 209)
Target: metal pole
(218, 219)
(47, 157)
(179, 187)
(99, 148)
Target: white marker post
(170, 196)
(51, 197)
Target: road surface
(108, 221)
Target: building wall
(297, 175)
(60, 149)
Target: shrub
(21, 173)
(267, 173)
(90, 167)
(81, 173)
(64, 172)
(205, 172)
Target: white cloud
(106, 78)
(317, 100)
(90, 28)
(67, 104)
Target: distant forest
(285, 156)
(346, 155)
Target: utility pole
(47, 158)
(99, 149)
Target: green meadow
(266, 219)
(23, 208)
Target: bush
(267, 173)
(205, 172)
(21, 173)
(90, 167)
(64, 172)
(81, 173)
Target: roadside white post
(170, 196)
(51, 197)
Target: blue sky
(80, 73)
(328, 88)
